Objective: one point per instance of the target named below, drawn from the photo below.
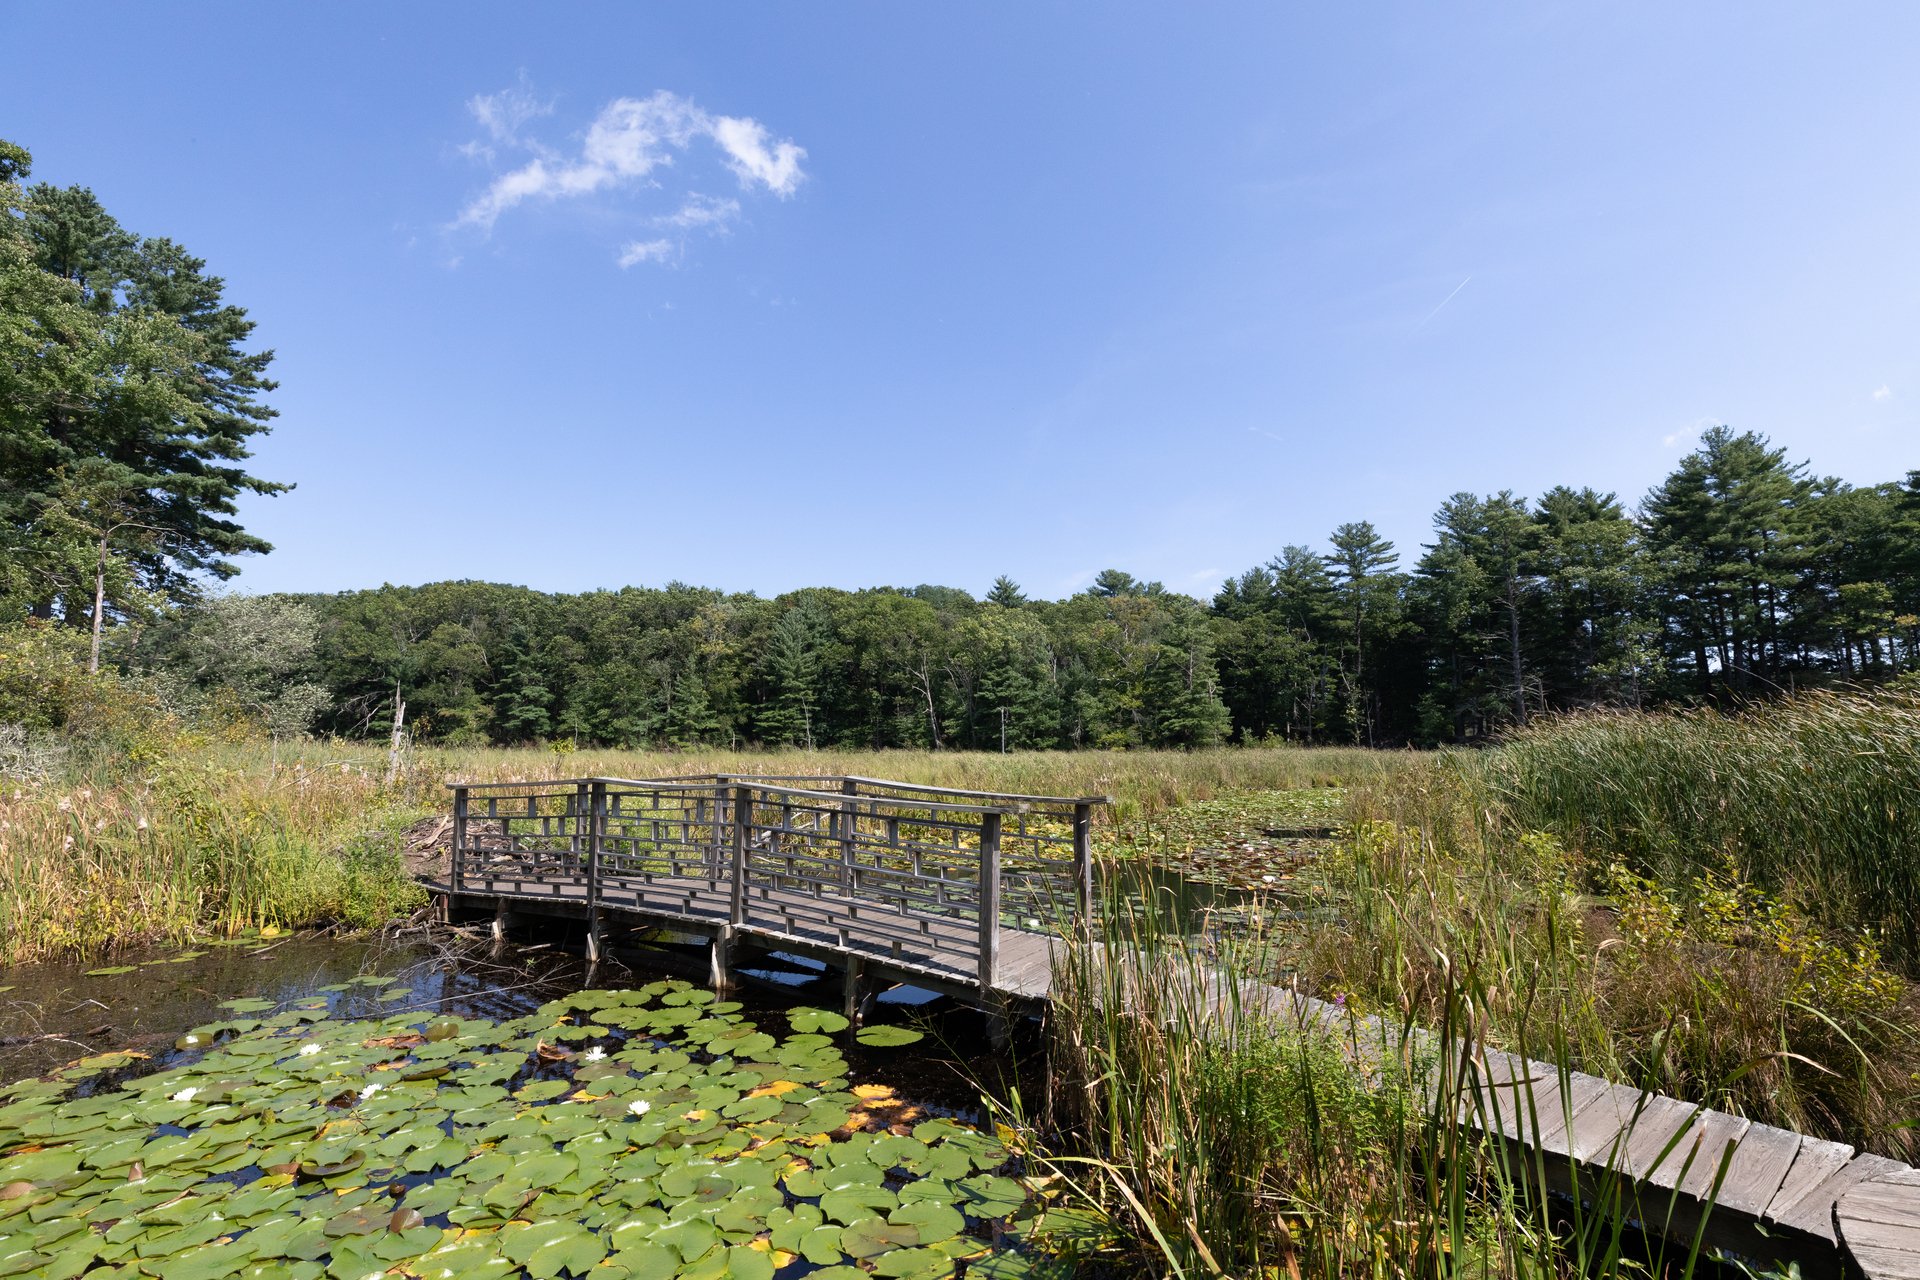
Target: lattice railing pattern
(868, 863)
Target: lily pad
(806, 1019)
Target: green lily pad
(806, 1019)
(884, 1036)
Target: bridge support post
(596, 824)
(501, 919)
(1083, 866)
(999, 1022)
(457, 859)
(720, 960)
(855, 995)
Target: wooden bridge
(968, 893)
(959, 891)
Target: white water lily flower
(1269, 879)
(309, 1049)
(639, 1106)
(185, 1095)
(595, 1054)
(369, 1091)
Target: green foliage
(1699, 984)
(294, 1142)
(1205, 1136)
(126, 403)
(1816, 793)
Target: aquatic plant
(630, 1135)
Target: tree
(1489, 544)
(122, 371)
(255, 652)
(1006, 593)
(793, 667)
(1725, 526)
(1361, 564)
(1184, 687)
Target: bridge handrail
(978, 795)
(582, 833)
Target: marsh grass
(1707, 988)
(1212, 1139)
(1814, 798)
(151, 832)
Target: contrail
(1444, 301)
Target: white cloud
(701, 213)
(627, 143)
(648, 251)
(502, 115)
(1885, 392)
(745, 142)
(1671, 439)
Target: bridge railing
(863, 864)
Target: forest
(129, 398)
(1738, 576)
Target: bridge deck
(961, 890)
(912, 945)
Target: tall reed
(1706, 988)
(1215, 1138)
(1815, 796)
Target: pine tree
(1726, 527)
(1183, 687)
(793, 669)
(1006, 593)
(1361, 564)
(129, 400)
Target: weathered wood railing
(872, 867)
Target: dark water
(54, 1014)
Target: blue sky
(918, 294)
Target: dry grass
(183, 834)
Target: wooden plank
(1878, 1222)
(1580, 1092)
(1597, 1136)
(1813, 1211)
(1892, 1199)
(1651, 1152)
(1710, 1141)
(1759, 1167)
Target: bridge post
(720, 960)
(1083, 864)
(577, 837)
(458, 860)
(989, 899)
(716, 852)
(742, 832)
(596, 830)
(849, 824)
(855, 994)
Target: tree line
(128, 398)
(1740, 575)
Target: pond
(301, 1106)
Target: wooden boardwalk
(969, 894)
(958, 890)
(1757, 1192)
